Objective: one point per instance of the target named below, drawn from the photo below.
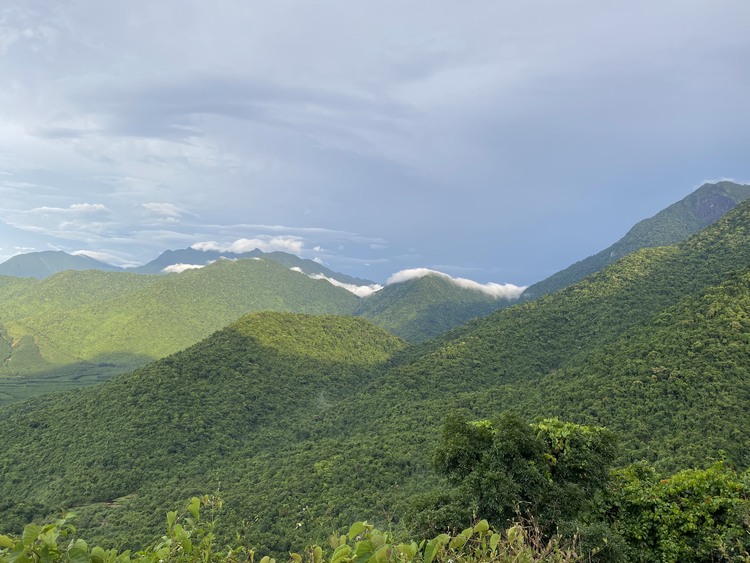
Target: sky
(498, 141)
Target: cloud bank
(293, 245)
(499, 291)
(358, 290)
(179, 268)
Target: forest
(606, 421)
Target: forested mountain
(670, 226)
(421, 308)
(43, 264)
(78, 327)
(309, 424)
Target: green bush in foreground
(190, 539)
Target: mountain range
(309, 423)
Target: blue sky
(497, 141)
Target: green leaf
(78, 552)
(356, 529)
(494, 541)
(482, 526)
(194, 507)
(430, 551)
(30, 533)
(5, 541)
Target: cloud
(166, 212)
(293, 245)
(499, 291)
(179, 268)
(358, 290)
(105, 257)
(76, 208)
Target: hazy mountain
(176, 260)
(671, 225)
(311, 424)
(190, 257)
(43, 264)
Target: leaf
(5, 541)
(318, 554)
(194, 507)
(296, 557)
(494, 541)
(30, 533)
(430, 551)
(98, 555)
(78, 552)
(356, 529)
(482, 526)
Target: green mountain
(43, 264)
(670, 226)
(306, 426)
(82, 327)
(421, 308)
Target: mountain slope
(670, 226)
(213, 410)
(43, 264)
(94, 324)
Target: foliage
(191, 539)
(549, 471)
(695, 515)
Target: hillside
(670, 226)
(81, 327)
(421, 308)
(216, 410)
(43, 264)
(306, 432)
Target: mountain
(190, 257)
(200, 258)
(43, 264)
(670, 226)
(309, 424)
(421, 308)
(79, 327)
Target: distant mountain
(177, 260)
(423, 307)
(671, 225)
(43, 264)
(189, 256)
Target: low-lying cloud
(290, 244)
(358, 290)
(179, 268)
(500, 291)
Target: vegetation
(310, 423)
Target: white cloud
(358, 290)
(105, 257)
(179, 268)
(297, 269)
(167, 212)
(76, 208)
(500, 291)
(290, 244)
